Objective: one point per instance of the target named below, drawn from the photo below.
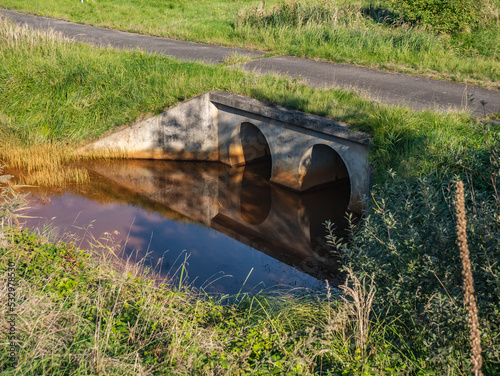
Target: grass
(85, 313)
(44, 164)
(360, 32)
(92, 312)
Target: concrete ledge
(292, 117)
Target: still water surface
(234, 230)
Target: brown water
(228, 224)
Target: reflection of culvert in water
(255, 194)
(318, 206)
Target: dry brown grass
(470, 301)
(50, 165)
(13, 35)
(46, 165)
(358, 299)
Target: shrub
(408, 241)
(443, 15)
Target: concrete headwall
(187, 131)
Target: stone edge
(293, 117)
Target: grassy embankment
(360, 32)
(77, 315)
(55, 94)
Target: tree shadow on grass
(382, 15)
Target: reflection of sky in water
(211, 254)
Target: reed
(10, 203)
(468, 281)
(358, 300)
(51, 165)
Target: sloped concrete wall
(187, 131)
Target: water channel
(233, 229)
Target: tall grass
(48, 165)
(82, 313)
(10, 204)
(359, 32)
(367, 34)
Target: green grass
(89, 312)
(354, 32)
(85, 314)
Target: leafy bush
(443, 15)
(408, 241)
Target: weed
(11, 202)
(358, 300)
(236, 59)
(468, 281)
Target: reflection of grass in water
(47, 165)
(104, 191)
